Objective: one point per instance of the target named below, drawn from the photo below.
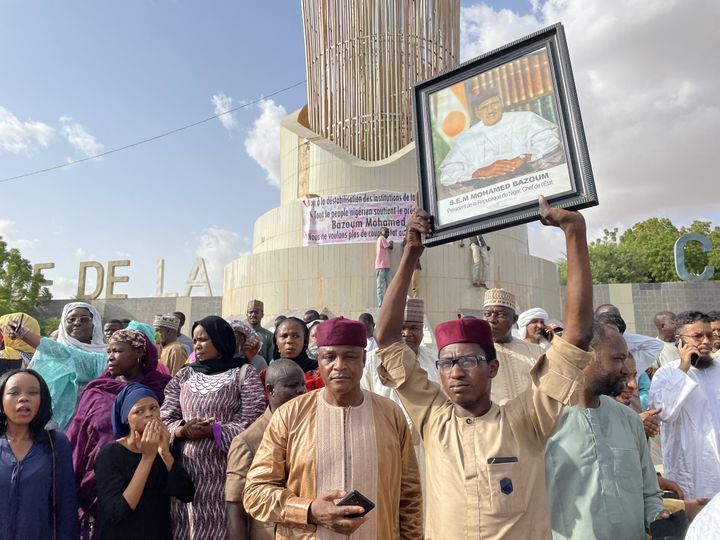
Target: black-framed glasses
(465, 362)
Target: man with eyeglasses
(688, 392)
(485, 470)
(516, 356)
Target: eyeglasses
(465, 362)
(699, 336)
(81, 320)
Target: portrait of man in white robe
(501, 145)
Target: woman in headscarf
(15, 353)
(248, 343)
(77, 357)
(37, 490)
(137, 474)
(131, 358)
(207, 404)
(291, 341)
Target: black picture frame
(474, 181)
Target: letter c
(680, 267)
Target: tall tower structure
(354, 135)
(363, 58)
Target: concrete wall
(639, 302)
(341, 277)
(145, 309)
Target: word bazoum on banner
(355, 217)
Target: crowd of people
(516, 426)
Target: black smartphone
(693, 356)
(355, 498)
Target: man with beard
(532, 327)
(598, 468)
(688, 392)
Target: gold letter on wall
(82, 277)
(198, 278)
(38, 268)
(112, 279)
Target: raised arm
(557, 376)
(392, 312)
(578, 314)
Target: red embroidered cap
(469, 330)
(341, 331)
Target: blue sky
(82, 77)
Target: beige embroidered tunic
(310, 446)
(485, 476)
(516, 359)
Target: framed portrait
(498, 131)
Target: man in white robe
(412, 335)
(499, 144)
(688, 392)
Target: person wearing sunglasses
(77, 356)
(687, 392)
(485, 462)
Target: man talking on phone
(484, 462)
(687, 391)
(336, 442)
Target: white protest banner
(355, 217)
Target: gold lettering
(112, 279)
(82, 278)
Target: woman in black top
(136, 475)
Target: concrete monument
(355, 136)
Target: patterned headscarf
(139, 340)
(135, 338)
(97, 343)
(240, 327)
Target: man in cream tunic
(330, 441)
(485, 462)
(516, 356)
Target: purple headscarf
(91, 427)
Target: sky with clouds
(82, 78)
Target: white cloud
(648, 96)
(80, 253)
(62, 287)
(17, 136)
(79, 137)
(8, 230)
(222, 104)
(218, 247)
(263, 141)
